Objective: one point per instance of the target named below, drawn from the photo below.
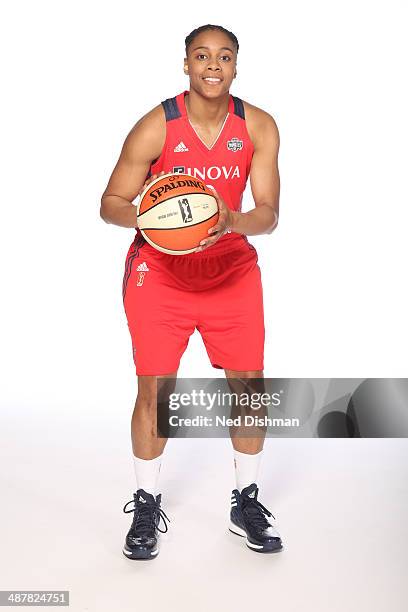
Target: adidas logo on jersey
(181, 148)
(143, 267)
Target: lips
(212, 80)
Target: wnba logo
(185, 210)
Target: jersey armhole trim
(245, 127)
(171, 109)
(238, 107)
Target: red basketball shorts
(166, 297)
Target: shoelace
(256, 512)
(147, 516)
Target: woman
(208, 133)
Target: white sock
(147, 473)
(246, 468)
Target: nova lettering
(214, 172)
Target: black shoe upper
(146, 519)
(249, 514)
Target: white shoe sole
(257, 547)
(140, 555)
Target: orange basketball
(175, 212)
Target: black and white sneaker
(142, 538)
(248, 519)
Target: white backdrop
(79, 75)
(76, 76)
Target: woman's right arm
(143, 145)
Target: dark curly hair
(204, 28)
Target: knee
(244, 375)
(154, 391)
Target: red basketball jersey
(225, 166)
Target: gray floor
(341, 507)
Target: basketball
(175, 212)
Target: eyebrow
(221, 48)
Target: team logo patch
(235, 145)
(179, 169)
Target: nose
(213, 65)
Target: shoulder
(261, 125)
(149, 132)
(151, 121)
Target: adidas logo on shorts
(143, 267)
(181, 148)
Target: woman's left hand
(223, 224)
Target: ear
(185, 66)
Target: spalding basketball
(175, 212)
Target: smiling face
(211, 63)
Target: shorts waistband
(227, 246)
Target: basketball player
(217, 289)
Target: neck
(202, 111)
